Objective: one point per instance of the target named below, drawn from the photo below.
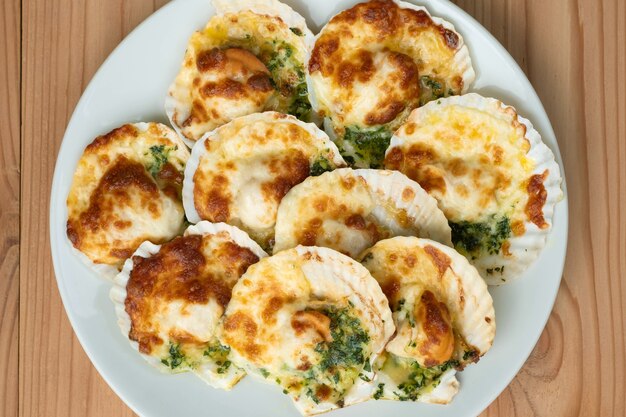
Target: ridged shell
(525, 248)
(106, 271)
(400, 205)
(208, 371)
(273, 8)
(455, 283)
(462, 62)
(322, 277)
(199, 151)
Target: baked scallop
(312, 321)
(170, 297)
(493, 177)
(350, 210)
(239, 173)
(249, 58)
(126, 189)
(374, 63)
(443, 315)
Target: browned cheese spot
(122, 179)
(301, 321)
(537, 196)
(435, 321)
(440, 259)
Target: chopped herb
(217, 351)
(420, 378)
(368, 146)
(480, 238)
(309, 392)
(160, 154)
(320, 166)
(379, 391)
(368, 257)
(433, 88)
(367, 367)
(223, 367)
(264, 372)
(400, 304)
(348, 341)
(297, 31)
(364, 378)
(175, 358)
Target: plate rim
(65, 143)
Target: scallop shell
(107, 271)
(458, 286)
(273, 8)
(199, 151)
(462, 61)
(394, 197)
(207, 371)
(323, 277)
(524, 249)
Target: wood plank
(574, 54)
(9, 204)
(64, 44)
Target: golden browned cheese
(244, 79)
(238, 64)
(418, 279)
(248, 165)
(126, 189)
(375, 53)
(536, 199)
(182, 271)
(434, 318)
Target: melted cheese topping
(240, 63)
(126, 189)
(366, 64)
(441, 308)
(176, 297)
(342, 211)
(247, 167)
(307, 319)
(473, 161)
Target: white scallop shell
(331, 276)
(106, 271)
(525, 249)
(462, 60)
(208, 371)
(474, 320)
(262, 7)
(386, 190)
(199, 151)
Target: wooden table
(574, 53)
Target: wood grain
(574, 53)
(64, 43)
(9, 204)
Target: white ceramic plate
(131, 86)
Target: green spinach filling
(420, 378)
(219, 354)
(175, 357)
(476, 239)
(433, 88)
(365, 148)
(159, 155)
(288, 77)
(340, 360)
(320, 166)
